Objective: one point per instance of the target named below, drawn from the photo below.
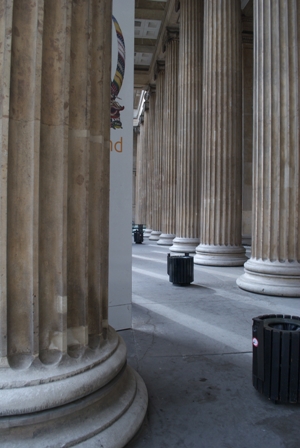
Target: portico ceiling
(152, 17)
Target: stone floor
(193, 347)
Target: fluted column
(150, 162)
(158, 152)
(274, 266)
(61, 365)
(189, 126)
(221, 197)
(169, 157)
(139, 211)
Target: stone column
(274, 267)
(63, 374)
(158, 151)
(221, 198)
(169, 158)
(189, 126)
(150, 161)
(247, 127)
(140, 214)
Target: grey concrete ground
(192, 346)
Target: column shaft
(221, 208)
(158, 152)
(150, 162)
(274, 267)
(5, 67)
(189, 126)
(169, 158)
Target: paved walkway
(193, 347)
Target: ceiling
(152, 17)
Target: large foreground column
(221, 201)
(189, 126)
(63, 374)
(169, 157)
(274, 267)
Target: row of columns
(203, 158)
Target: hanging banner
(121, 160)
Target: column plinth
(274, 266)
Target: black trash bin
(138, 234)
(276, 357)
(180, 269)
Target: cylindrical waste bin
(138, 234)
(180, 269)
(276, 357)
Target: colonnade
(224, 198)
(63, 373)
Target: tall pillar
(221, 197)
(247, 127)
(189, 127)
(169, 165)
(141, 185)
(158, 151)
(274, 267)
(63, 374)
(150, 162)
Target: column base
(246, 240)
(166, 239)
(155, 234)
(110, 415)
(272, 278)
(185, 245)
(147, 233)
(211, 255)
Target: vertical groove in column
(5, 67)
(221, 203)
(189, 126)
(99, 162)
(169, 156)
(53, 184)
(78, 169)
(22, 183)
(274, 267)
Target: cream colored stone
(274, 267)
(169, 155)
(221, 201)
(189, 126)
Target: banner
(121, 161)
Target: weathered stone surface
(221, 199)
(63, 373)
(189, 126)
(274, 267)
(169, 156)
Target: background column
(169, 158)
(274, 267)
(150, 161)
(221, 200)
(189, 126)
(158, 151)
